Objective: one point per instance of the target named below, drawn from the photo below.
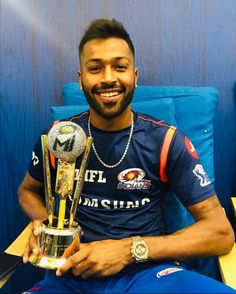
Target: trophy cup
(66, 141)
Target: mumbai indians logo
(67, 139)
(65, 130)
(201, 174)
(133, 179)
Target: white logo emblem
(35, 159)
(168, 271)
(201, 175)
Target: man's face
(108, 75)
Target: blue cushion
(195, 118)
(72, 95)
(163, 109)
(190, 103)
(154, 92)
(65, 111)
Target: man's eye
(121, 67)
(94, 69)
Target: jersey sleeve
(186, 174)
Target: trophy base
(51, 263)
(53, 243)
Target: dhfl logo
(133, 179)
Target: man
(127, 145)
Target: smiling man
(124, 246)
(108, 77)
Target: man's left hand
(99, 258)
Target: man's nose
(108, 75)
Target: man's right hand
(32, 249)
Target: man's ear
(79, 79)
(136, 75)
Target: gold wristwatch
(139, 249)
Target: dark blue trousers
(164, 278)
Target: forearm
(212, 234)
(198, 240)
(30, 200)
(32, 205)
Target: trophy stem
(61, 215)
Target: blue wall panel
(185, 42)
(16, 106)
(38, 53)
(221, 72)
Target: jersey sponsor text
(112, 204)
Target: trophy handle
(49, 199)
(80, 181)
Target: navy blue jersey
(127, 200)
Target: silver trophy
(66, 141)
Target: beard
(108, 110)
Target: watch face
(140, 250)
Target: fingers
(26, 253)
(87, 269)
(31, 249)
(35, 227)
(81, 269)
(72, 262)
(63, 269)
(73, 247)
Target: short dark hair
(104, 29)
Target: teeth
(110, 94)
